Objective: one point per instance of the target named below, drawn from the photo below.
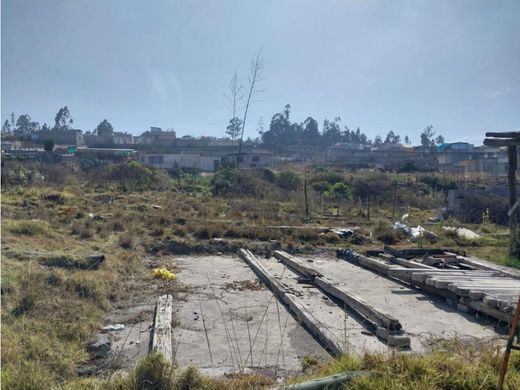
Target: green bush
(288, 181)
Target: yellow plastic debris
(163, 273)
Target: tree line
(62, 121)
(283, 133)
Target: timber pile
(484, 290)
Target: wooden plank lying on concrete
(315, 327)
(408, 263)
(162, 329)
(468, 295)
(296, 264)
(362, 308)
(415, 252)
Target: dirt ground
(243, 323)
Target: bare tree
(255, 76)
(235, 93)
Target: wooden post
(514, 231)
(306, 199)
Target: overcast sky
(380, 65)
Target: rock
(100, 347)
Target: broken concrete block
(382, 332)
(100, 347)
(398, 341)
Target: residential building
(62, 137)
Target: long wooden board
(162, 329)
(354, 302)
(312, 324)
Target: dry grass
(49, 313)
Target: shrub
(439, 183)
(126, 240)
(385, 233)
(475, 205)
(288, 181)
(238, 182)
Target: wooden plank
(409, 264)
(354, 302)
(362, 308)
(505, 134)
(315, 327)
(480, 294)
(296, 264)
(162, 329)
(483, 308)
(501, 142)
(414, 252)
(514, 242)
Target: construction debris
(460, 281)
(241, 285)
(462, 232)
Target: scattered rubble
(242, 285)
(100, 347)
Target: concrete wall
(200, 162)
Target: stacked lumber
(485, 290)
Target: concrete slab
(422, 316)
(350, 331)
(247, 328)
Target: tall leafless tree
(235, 94)
(255, 76)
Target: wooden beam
(162, 330)
(501, 142)
(354, 302)
(514, 241)
(505, 134)
(314, 326)
(296, 264)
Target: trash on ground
(462, 232)
(114, 327)
(163, 273)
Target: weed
(27, 228)
(126, 240)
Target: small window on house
(255, 158)
(155, 160)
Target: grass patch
(27, 228)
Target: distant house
(250, 159)
(120, 138)
(106, 153)
(157, 137)
(171, 161)
(454, 152)
(492, 160)
(62, 137)
(204, 162)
